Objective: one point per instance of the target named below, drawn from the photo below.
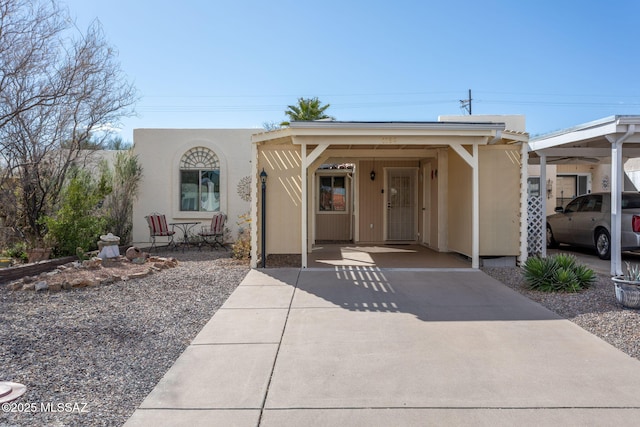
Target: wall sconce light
(373, 175)
(549, 188)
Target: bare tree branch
(57, 88)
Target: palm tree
(308, 109)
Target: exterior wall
(512, 122)
(371, 199)
(499, 186)
(283, 165)
(431, 205)
(499, 176)
(599, 178)
(534, 171)
(632, 170)
(459, 207)
(159, 152)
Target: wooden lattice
(536, 230)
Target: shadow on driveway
(430, 295)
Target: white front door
(401, 203)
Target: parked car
(586, 221)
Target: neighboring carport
(614, 137)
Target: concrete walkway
(361, 346)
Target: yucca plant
(558, 273)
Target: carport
(613, 138)
(428, 183)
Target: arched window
(199, 180)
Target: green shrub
(17, 251)
(558, 273)
(78, 222)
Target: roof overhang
(588, 141)
(378, 134)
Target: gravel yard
(105, 348)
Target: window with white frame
(199, 181)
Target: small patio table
(185, 227)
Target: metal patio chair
(213, 234)
(158, 228)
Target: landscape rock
(133, 252)
(41, 286)
(92, 263)
(15, 286)
(81, 283)
(140, 275)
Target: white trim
(543, 200)
(426, 204)
(475, 222)
(524, 207)
(304, 231)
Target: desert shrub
(242, 247)
(558, 273)
(124, 181)
(78, 222)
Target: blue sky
(229, 64)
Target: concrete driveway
(362, 346)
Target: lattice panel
(536, 230)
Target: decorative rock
(140, 275)
(80, 283)
(139, 260)
(133, 252)
(55, 287)
(41, 286)
(92, 263)
(15, 286)
(66, 285)
(29, 286)
(27, 279)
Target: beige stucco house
(188, 174)
(455, 185)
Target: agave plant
(559, 273)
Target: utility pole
(466, 103)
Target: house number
(388, 139)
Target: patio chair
(158, 228)
(214, 234)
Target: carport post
(617, 172)
(616, 203)
(543, 202)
